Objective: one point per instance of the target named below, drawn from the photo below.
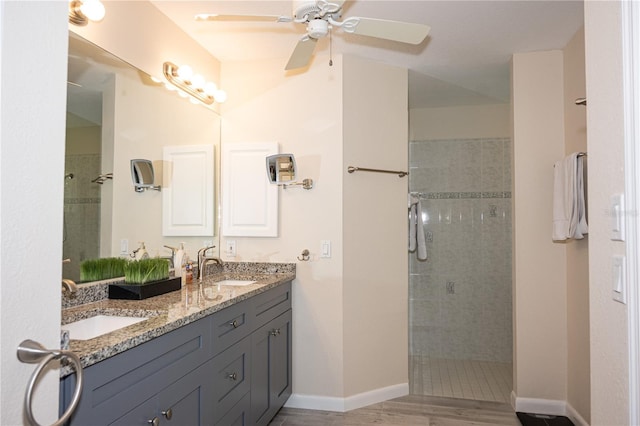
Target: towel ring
(33, 352)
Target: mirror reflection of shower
(83, 162)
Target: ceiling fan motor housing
(317, 28)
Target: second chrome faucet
(203, 259)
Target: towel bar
(352, 169)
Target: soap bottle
(181, 263)
(141, 253)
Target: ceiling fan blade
(301, 55)
(405, 32)
(245, 18)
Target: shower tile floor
(478, 380)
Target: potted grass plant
(102, 269)
(145, 278)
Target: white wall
(318, 116)
(32, 133)
(460, 122)
(605, 133)
(539, 292)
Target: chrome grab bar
(31, 352)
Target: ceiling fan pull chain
(330, 47)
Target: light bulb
(93, 10)
(194, 101)
(220, 96)
(210, 88)
(169, 86)
(185, 72)
(197, 81)
(155, 79)
(182, 94)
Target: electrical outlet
(231, 248)
(207, 243)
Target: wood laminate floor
(407, 411)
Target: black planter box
(144, 291)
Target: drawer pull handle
(168, 414)
(275, 332)
(234, 324)
(232, 376)
(154, 421)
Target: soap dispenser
(141, 252)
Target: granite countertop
(169, 311)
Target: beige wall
(539, 292)
(605, 133)
(575, 119)
(375, 231)
(460, 122)
(304, 113)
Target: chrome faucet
(69, 286)
(203, 259)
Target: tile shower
(81, 227)
(460, 297)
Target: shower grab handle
(32, 352)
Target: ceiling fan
(320, 16)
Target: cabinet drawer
(124, 381)
(270, 304)
(231, 377)
(230, 325)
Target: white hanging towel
(417, 240)
(569, 211)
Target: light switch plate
(617, 217)
(619, 282)
(325, 248)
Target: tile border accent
(462, 195)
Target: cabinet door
(187, 401)
(271, 368)
(249, 201)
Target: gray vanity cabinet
(270, 368)
(230, 368)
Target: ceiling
(463, 61)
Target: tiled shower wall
(460, 297)
(81, 227)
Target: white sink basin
(89, 328)
(235, 282)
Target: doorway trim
(631, 79)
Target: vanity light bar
(186, 84)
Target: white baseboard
(575, 417)
(552, 407)
(328, 403)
